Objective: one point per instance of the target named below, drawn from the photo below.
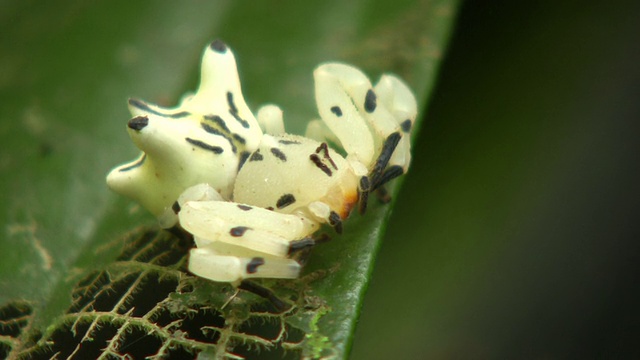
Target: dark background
(516, 233)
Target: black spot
(285, 200)
(205, 146)
(238, 231)
(219, 46)
(279, 154)
(256, 156)
(141, 105)
(370, 101)
(335, 221)
(134, 165)
(336, 110)
(319, 164)
(244, 207)
(175, 207)
(289, 142)
(270, 208)
(138, 123)
(253, 265)
(406, 125)
(243, 158)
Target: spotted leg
(398, 99)
(369, 132)
(200, 192)
(236, 241)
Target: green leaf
(67, 72)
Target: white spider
(250, 194)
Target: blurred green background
(516, 233)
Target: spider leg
(270, 119)
(398, 99)
(383, 195)
(201, 192)
(339, 88)
(219, 261)
(242, 225)
(236, 241)
(380, 166)
(301, 249)
(389, 174)
(395, 155)
(264, 292)
(369, 121)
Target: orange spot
(350, 201)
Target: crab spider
(251, 195)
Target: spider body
(249, 193)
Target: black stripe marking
(218, 46)
(141, 105)
(335, 221)
(233, 110)
(406, 125)
(138, 123)
(211, 130)
(336, 110)
(289, 142)
(285, 200)
(244, 207)
(238, 231)
(252, 266)
(134, 165)
(219, 121)
(245, 124)
(256, 156)
(232, 105)
(320, 165)
(370, 101)
(243, 158)
(205, 146)
(325, 148)
(239, 139)
(279, 154)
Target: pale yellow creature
(250, 194)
